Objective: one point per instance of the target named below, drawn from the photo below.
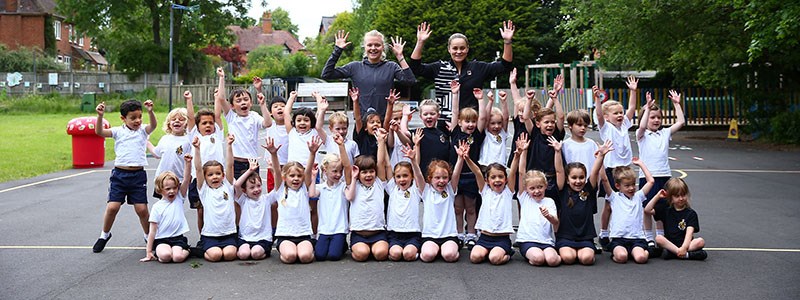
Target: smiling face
(293, 177)
(439, 179)
(468, 125)
(627, 186)
(614, 114)
(373, 123)
(429, 115)
(253, 187)
(133, 119)
(576, 178)
(496, 179)
(535, 187)
(241, 103)
(373, 48)
(302, 123)
(495, 123)
(402, 176)
(177, 125)
(340, 128)
(333, 172)
(214, 176)
(547, 124)
(654, 120)
(276, 110)
(458, 49)
(367, 176)
(206, 125)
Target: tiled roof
(32, 6)
(250, 38)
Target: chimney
(12, 6)
(266, 22)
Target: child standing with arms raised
(654, 152)
(614, 124)
(128, 178)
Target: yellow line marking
(743, 171)
(683, 174)
(70, 247)
(46, 181)
(753, 249)
(57, 178)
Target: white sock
(104, 235)
(649, 235)
(659, 231)
(603, 233)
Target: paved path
(50, 222)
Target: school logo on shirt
(444, 194)
(441, 138)
(469, 72)
(470, 140)
(407, 194)
(212, 139)
(682, 224)
(179, 150)
(497, 137)
(583, 195)
(225, 195)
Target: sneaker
(653, 250)
(597, 248)
(100, 244)
(669, 255)
(196, 252)
(462, 240)
(698, 255)
(470, 240)
(604, 241)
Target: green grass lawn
(38, 144)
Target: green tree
(281, 21)
(273, 61)
(322, 46)
(135, 35)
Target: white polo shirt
(169, 217)
(255, 221)
(533, 226)
(298, 145)
(622, 154)
(494, 149)
(654, 152)
(294, 212)
(397, 152)
(366, 210)
(495, 213)
(580, 152)
(403, 212)
(130, 146)
(219, 218)
(281, 137)
(171, 149)
(212, 146)
(439, 216)
(626, 215)
(332, 147)
(332, 208)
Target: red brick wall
(19, 30)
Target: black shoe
(196, 252)
(653, 250)
(597, 248)
(698, 255)
(669, 255)
(100, 244)
(604, 241)
(470, 243)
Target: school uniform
(654, 152)
(534, 229)
(211, 148)
(294, 215)
(333, 225)
(495, 217)
(280, 137)
(331, 147)
(621, 141)
(219, 220)
(439, 216)
(676, 222)
(171, 149)
(582, 152)
(402, 220)
(494, 149)
(129, 185)
(255, 221)
(626, 227)
(367, 213)
(541, 156)
(435, 144)
(576, 224)
(298, 145)
(171, 222)
(245, 129)
(396, 156)
(467, 185)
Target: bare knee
(360, 252)
(410, 253)
(396, 253)
(179, 255)
(380, 250)
(214, 254)
(229, 253)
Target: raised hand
(292, 96)
(149, 105)
(187, 95)
(417, 137)
(353, 94)
(408, 152)
(341, 39)
(407, 111)
(257, 83)
(558, 83)
(397, 46)
(423, 31)
(187, 158)
(231, 139)
(554, 143)
(101, 108)
(675, 97)
(216, 92)
(196, 142)
(220, 72)
(455, 86)
(530, 94)
(314, 143)
(253, 164)
(632, 83)
(355, 173)
(394, 125)
(523, 142)
(380, 135)
(269, 145)
(507, 32)
(463, 149)
(338, 139)
(261, 100)
(663, 194)
(596, 92)
(606, 147)
(502, 95)
(512, 77)
(393, 96)
(478, 93)
(637, 162)
(315, 171)
(490, 96)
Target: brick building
(250, 38)
(36, 24)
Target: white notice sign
(52, 78)
(335, 89)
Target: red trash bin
(88, 148)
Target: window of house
(70, 34)
(57, 28)
(80, 40)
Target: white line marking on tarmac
(754, 249)
(57, 178)
(683, 174)
(697, 158)
(46, 181)
(70, 247)
(743, 171)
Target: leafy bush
(785, 128)
(21, 60)
(55, 103)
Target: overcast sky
(307, 14)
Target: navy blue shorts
(601, 188)
(525, 246)
(267, 245)
(127, 184)
(239, 167)
(294, 240)
(468, 186)
(629, 244)
(577, 245)
(404, 239)
(369, 240)
(179, 241)
(489, 242)
(218, 241)
(194, 196)
(441, 241)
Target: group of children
(321, 186)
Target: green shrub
(785, 128)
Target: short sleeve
(626, 123)
(640, 197)
(241, 199)
(390, 185)
(551, 207)
(691, 220)
(272, 196)
(155, 214)
(115, 131)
